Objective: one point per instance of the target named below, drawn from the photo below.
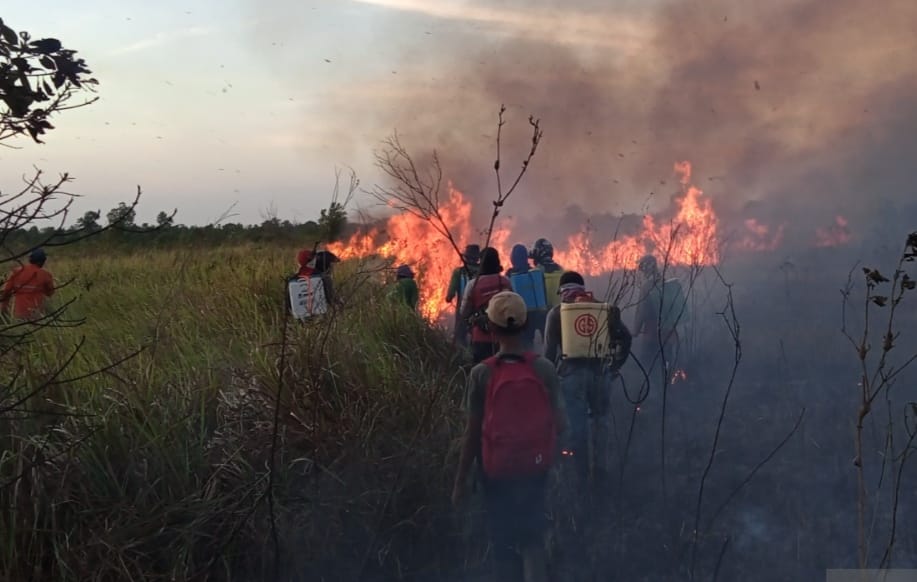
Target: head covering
(520, 258)
(490, 262)
(472, 254)
(572, 277)
(647, 265)
(37, 256)
(507, 310)
(571, 287)
(542, 251)
(404, 272)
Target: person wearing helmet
(542, 255)
(662, 308)
(29, 286)
(471, 260)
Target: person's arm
(621, 337)
(7, 294)
(552, 335)
(471, 437)
(643, 315)
(467, 307)
(414, 295)
(552, 383)
(48, 286)
(453, 285)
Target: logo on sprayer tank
(585, 325)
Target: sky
(203, 103)
(249, 106)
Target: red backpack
(519, 431)
(483, 288)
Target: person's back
(515, 416)
(461, 275)
(586, 380)
(405, 289)
(478, 293)
(28, 286)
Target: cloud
(570, 25)
(161, 38)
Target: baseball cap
(507, 310)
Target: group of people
(524, 410)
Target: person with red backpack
(586, 376)
(515, 416)
(478, 293)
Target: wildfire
(689, 238)
(759, 237)
(835, 235)
(411, 240)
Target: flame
(835, 235)
(688, 239)
(412, 240)
(758, 236)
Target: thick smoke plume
(806, 106)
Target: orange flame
(835, 235)
(758, 236)
(690, 238)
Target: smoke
(805, 105)
(792, 111)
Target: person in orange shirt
(30, 285)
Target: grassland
(158, 467)
(148, 456)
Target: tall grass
(157, 468)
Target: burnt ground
(786, 518)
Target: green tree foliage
(164, 220)
(37, 79)
(123, 215)
(332, 222)
(89, 221)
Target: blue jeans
(586, 388)
(516, 522)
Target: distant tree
(332, 221)
(89, 221)
(37, 79)
(122, 215)
(164, 220)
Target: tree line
(119, 229)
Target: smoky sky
(792, 110)
(808, 106)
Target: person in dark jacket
(478, 292)
(586, 382)
(460, 277)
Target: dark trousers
(516, 523)
(461, 329)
